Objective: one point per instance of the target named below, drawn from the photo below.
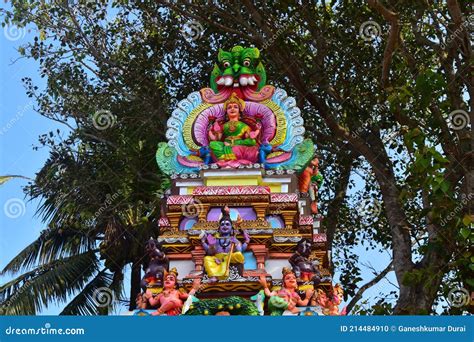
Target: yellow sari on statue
(221, 270)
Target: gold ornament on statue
(235, 99)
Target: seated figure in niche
(223, 248)
(236, 141)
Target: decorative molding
(282, 197)
(163, 222)
(282, 239)
(231, 190)
(203, 225)
(188, 125)
(254, 224)
(322, 237)
(281, 124)
(236, 200)
(173, 239)
(179, 199)
(286, 232)
(306, 220)
(189, 175)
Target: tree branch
(393, 38)
(368, 285)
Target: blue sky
(20, 127)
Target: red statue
(170, 301)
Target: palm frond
(54, 281)
(4, 179)
(86, 302)
(51, 245)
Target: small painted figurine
(310, 180)
(329, 304)
(223, 249)
(304, 268)
(141, 301)
(288, 292)
(319, 298)
(170, 300)
(335, 299)
(158, 263)
(259, 300)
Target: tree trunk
(418, 299)
(332, 219)
(135, 285)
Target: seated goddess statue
(236, 141)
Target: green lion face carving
(239, 68)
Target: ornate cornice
(231, 190)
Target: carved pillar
(198, 255)
(288, 217)
(202, 210)
(260, 252)
(174, 218)
(260, 209)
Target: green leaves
(429, 85)
(53, 281)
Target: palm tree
(81, 256)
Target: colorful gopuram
(240, 231)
